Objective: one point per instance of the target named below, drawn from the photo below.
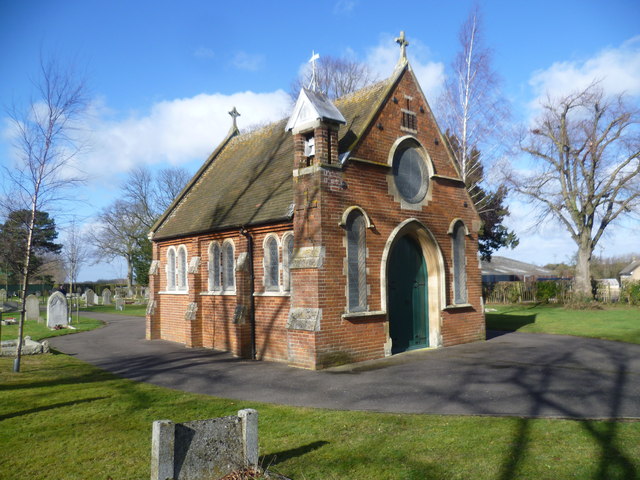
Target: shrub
(546, 290)
(631, 292)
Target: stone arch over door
(428, 246)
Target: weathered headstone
(32, 305)
(204, 449)
(57, 313)
(90, 297)
(106, 297)
(119, 302)
(3, 295)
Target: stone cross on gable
(402, 41)
(234, 114)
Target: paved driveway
(518, 374)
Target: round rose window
(410, 174)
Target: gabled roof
(629, 269)
(247, 180)
(507, 266)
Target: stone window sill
(222, 292)
(459, 305)
(174, 292)
(375, 313)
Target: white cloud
(384, 57)
(617, 69)
(176, 131)
(204, 52)
(248, 61)
(344, 7)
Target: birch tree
(586, 153)
(75, 253)
(46, 144)
(473, 113)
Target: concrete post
(162, 447)
(249, 418)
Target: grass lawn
(39, 330)
(64, 419)
(610, 323)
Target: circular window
(410, 173)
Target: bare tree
(335, 77)
(124, 225)
(75, 253)
(473, 113)
(118, 234)
(46, 145)
(472, 107)
(151, 194)
(587, 152)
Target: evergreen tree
(14, 236)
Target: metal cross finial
(402, 41)
(234, 114)
(313, 84)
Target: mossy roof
(247, 180)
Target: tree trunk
(25, 284)
(582, 281)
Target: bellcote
(311, 110)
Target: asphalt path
(511, 374)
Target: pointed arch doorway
(413, 285)
(408, 296)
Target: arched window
(287, 256)
(228, 267)
(459, 264)
(171, 268)
(214, 267)
(181, 268)
(271, 264)
(356, 261)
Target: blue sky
(163, 74)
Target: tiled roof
(628, 270)
(248, 180)
(507, 266)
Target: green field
(618, 323)
(64, 419)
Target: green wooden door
(408, 301)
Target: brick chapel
(343, 233)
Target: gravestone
(90, 297)
(38, 294)
(119, 302)
(106, 297)
(204, 449)
(3, 295)
(32, 305)
(57, 313)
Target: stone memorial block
(119, 302)
(38, 294)
(3, 295)
(304, 319)
(308, 257)
(204, 449)
(90, 297)
(57, 313)
(32, 305)
(106, 297)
